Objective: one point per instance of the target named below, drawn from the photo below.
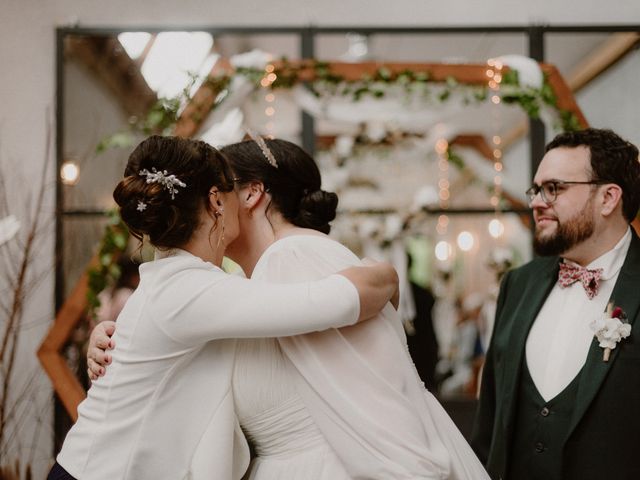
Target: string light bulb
(69, 173)
(496, 228)
(465, 241)
(443, 250)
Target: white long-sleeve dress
(164, 409)
(340, 404)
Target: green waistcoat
(540, 430)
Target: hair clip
(141, 206)
(263, 146)
(170, 182)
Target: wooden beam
(50, 353)
(200, 106)
(564, 94)
(476, 142)
(472, 74)
(605, 56)
(106, 59)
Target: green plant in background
(106, 272)
(532, 100)
(161, 117)
(164, 114)
(455, 158)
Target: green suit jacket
(603, 440)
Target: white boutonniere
(610, 329)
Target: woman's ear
(612, 197)
(215, 202)
(252, 194)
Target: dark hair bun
(316, 210)
(158, 219)
(170, 217)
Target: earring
(221, 238)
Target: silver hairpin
(141, 206)
(263, 146)
(170, 182)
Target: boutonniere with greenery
(610, 329)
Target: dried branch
(17, 274)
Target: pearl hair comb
(170, 182)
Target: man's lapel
(626, 296)
(532, 296)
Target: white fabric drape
(360, 385)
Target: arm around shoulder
(377, 284)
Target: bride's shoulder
(311, 243)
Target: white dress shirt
(559, 340)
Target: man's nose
(537, 202)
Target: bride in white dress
(339, 404)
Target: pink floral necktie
(590, 279)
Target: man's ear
(611, 198)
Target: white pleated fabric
(360, 386)
(273, 417)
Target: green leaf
(105, 259)
(117, 140)
(455, 159)
(510, 77)
(120, 240)
(444, 95)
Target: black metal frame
(307, 34)
(535, 33)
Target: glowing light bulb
(465, 241)
(443, 250)
(496, 228)
(69, 173)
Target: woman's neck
(209, 250)
(257, 235)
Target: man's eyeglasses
(549, 190)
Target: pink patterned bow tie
(590, 279)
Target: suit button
(539, 447)
(545, 412)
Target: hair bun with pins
(317, 209)
(166, 186)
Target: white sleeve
(198, 305)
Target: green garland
(531, 100)
(164, 113)
(107, 272)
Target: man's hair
(613, 160)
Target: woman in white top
(164, 409)
(337, 404)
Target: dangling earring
(220, 215)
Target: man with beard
(553, 403)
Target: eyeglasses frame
(534, 190)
